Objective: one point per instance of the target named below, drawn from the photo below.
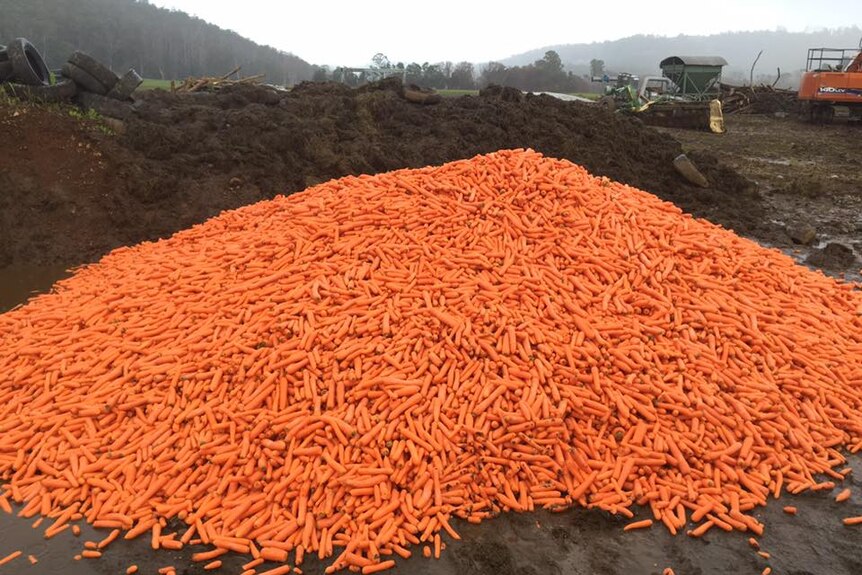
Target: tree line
(172, 45)
(157, 42)
(545, 75)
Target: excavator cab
(832, 84)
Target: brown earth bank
(71, 192)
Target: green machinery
(685, 96)
(698, 77)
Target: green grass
(152, 84)
(456, 93)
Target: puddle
(18, 283)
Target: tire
(95, 69)
(83, 79)
(5, 70)
(63, 91)
(5, 64)
(27, 64)
(126, 86)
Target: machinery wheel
(95, 69)
(84, 79)
(822, 113)
(63, 91)
(27, 64)
(608, 103)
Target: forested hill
(158, 43)
(642, 54)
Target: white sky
(350, 33)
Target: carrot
(110, 538)
(208, 555)
(852, 520)
(131, 569)
(790, 510)
(843, 496)
(32, 559)
(11, 557)
(282, 570)
(212, 565)
(253, 563)
(376, 568)
(638, 524)
(753, 542)
(502, 333)
(273, 554)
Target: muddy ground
(808, 176)
(69, 192)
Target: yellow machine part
(716, 117)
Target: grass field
(152, 84)
(456, 93)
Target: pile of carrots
(343, 371)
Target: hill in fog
(642, 54)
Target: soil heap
(183, 158)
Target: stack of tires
(99, 88)
(23, 74)
(94, 77)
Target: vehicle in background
(832, 84)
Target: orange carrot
(843, 496)
(376, 568)
(642, 524)
(502, 333)
(11, 557)
(281, 570)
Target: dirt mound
(56, 189)
(832, 257)
(184, 158)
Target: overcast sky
(350, 33)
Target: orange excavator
(832, 84)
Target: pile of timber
(760, 99)
(215, 83)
